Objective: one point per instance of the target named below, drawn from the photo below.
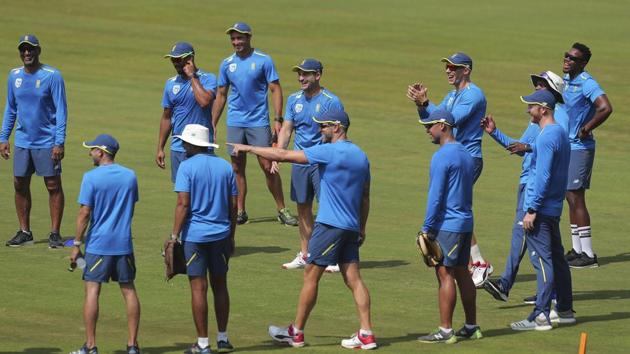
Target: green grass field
(110, 54)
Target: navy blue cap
(334, 116)
(439, 116)
(459, 59)
(309, 65)
(181, 50)
(543, 98)
(103, 142)
(240, 27)
(30, 39)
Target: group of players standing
(326, 165)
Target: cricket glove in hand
(429, 248)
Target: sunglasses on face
(572, 57)
(451, 67)
(326, 125)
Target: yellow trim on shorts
(100, 260)
(192, 258)
(452, 250)
(328, 249)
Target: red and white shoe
(480, 273)
(357, 341)
(287, 335)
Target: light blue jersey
(300, 111)
(111, 191)
(449, 202)
(180, 98)
(579, 102)
(249, 80)
(528, 137)
(210, 181)
(38, 102)
(468, 106)
(547, 182)
(344, 170)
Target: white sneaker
(298, 262)
(357, 341)
(286, 335)
(539, 323)
(563, 317)
(332, 269)
(480, 273)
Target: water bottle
(79, 263)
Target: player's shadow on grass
(176, 347)
(621, 257)
(615, 294)
(247, 250)
(525, 277)
(387, 341)
(383, 264)
(263, 219)
(36, 351)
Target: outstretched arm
(270, 153)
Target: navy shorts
(101, 269)
(304, 183)
(176, 158)
(27, 161)
(255, 136)
(455, 247)
(478, 167)
(205, 257)
(580, 169)
(330, 245)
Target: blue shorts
(330, 245)
(100, 269)
(304, 183)
(176, 158)
(255, 136)
(478, 167)
(27, 161)
(580, 169)
(455, 247)
(205, 257)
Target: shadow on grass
(177, 347)
(244, 251)
(525, 277)
(387, 341)
(262, 219)
(42, 350)
(383, 264)
(621, 257)
(616, 294)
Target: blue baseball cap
(439, 116)
(29, 39)
(103, 142)
(181, 50)
(309, 65)
(459, 59)
(543, 98)
(240, 27)
(334, 116)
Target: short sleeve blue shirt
(579, 102)
(210, 181)
(344, 170)
(249, 80)
(38, 102)
(180, 98)
(111, 191)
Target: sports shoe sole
(27, 243)
(284, 223)
(594, 265)
(362, 346)
(494, 291)
(451, 340)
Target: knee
(53, 185)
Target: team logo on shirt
(232, 67)
(18, 82)
(317, 107)
(176, 89)
(37, 84)
(253, 66)
(298, 108)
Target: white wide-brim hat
(196, 134)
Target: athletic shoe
(539, 323)
(285, 218)
(21, 238)
(562, 317)
(196, 349)
(241, 217)
(224, 346)
(133, 349)
(480, 273)
(298, 262)
(466, 333)
(571, 255)
(287, 335)
(357, 341)
(530, 300)
(496, 290)
(55, 240)
(85, 350)
(332, 269)
(439, 336)
(584, 261)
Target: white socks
(475, 253)
(586, 242)
(365, 332)
(575, 239)
(202, 342)
(446, 330)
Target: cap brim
(183, 55)
(542, 104)
(325, 121)
(28, 42)
(237, 30)
(299, 68)
(196, 142)
(447, 60)
(91, 145)
(434, 122)
(558, 95)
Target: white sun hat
(196, 134)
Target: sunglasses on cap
(572, 57)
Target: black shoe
(530, 300)
(571, 255)
(241, 217)
(133, 349)
(465, 333)
(584, 261)
(224, 346)
(55, 240)
(496, 290)
(21, 238)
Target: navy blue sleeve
(438, 180)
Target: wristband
(76, 243)
(279, 119)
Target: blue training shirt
(38, 102)
(528, 137)
(344, 170)
(449, 202)
(468, 106)
(579, 102)
(249, 80)
(210, 181)
(547, 183)
(179, 96)
(111, 191)
(300, 111)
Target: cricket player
(187, 99)
(248, 74)
(340, 225)
(205, 217)
(36, 100)
(107, 198)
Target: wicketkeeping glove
(429, 248)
